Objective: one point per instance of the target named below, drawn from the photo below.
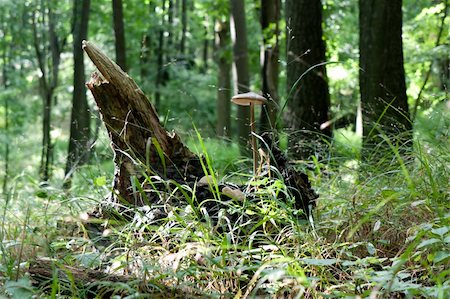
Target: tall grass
(383, 234)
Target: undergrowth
(380, 234)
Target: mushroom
(250, 99)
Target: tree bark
(161, 75)
(223, 126)
(382, 79)
(170, 29)
(119, 31)
(308, 100)
(270, 17)
(184, 22)
(80, 132)
(6, 67)
(141, 145)
(205, 52)
(238, 28)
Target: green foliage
(384, 234)
(374, 233)
(20, 289)
(422, 49)
(184, 104)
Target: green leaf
(20, 289)
(441, 256)
(388, 193)
(428, 243)
(249, 212)
(441, 231)
(319, 262)
(371, 249)
(160, 153)
(100, 181)
(447, 239)
(41, 194)
(88, 259)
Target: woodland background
(381, 223)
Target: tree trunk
(238, 30)
(205, 52)
(223, 126)
(81, 118)
(119, 32)
(49, 66)
(6, 67)
(382, 79)
(140, 144)
(145, 57)
(170, 28)
(146, 47)
(183, 29)
(270, 17)
(308, 100)
(161, 75)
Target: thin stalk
(252, 129)
(24, 234)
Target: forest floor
(373, 234)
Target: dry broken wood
(140, 143)
(98, 284)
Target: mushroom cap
(245, 99)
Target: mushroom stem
(251, 99)
(252, 132)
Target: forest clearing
(224, 149)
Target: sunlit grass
(380, 234)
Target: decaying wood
(140, 143)
(98, 284)
(144, 150)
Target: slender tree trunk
(170, 28)
(145, 58)
(6, 129)
(146, 52)
(238, 28)
(119, 31)
(382, 79)
(146, 45)
(6, 60)
(308, 100)
(184, 22)
(46, 139)
(78, 152)
(223, 126)
(444, 73)
(205, 53)
(270, 17)
(161, 74)
(44, 38)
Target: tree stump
(139, 142)
(143, 148)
